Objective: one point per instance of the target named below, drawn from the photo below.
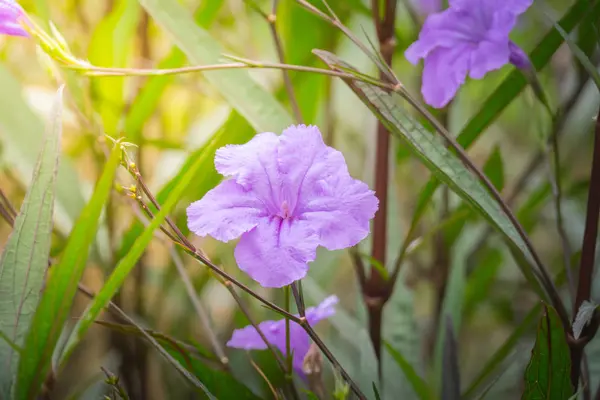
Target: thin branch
(243, 63)
(229, 281)
(588, 252)
(272, 21)
(555, 183)
(200, 311)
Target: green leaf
(110, 46)
(494, 169)
(504, 351)
(587, 64)
(25, 258)
(548, 374)
(442, 162)
(234, 131)
(510, 88)
(418, 384)
(149, 95)
(255, 104)
(54, 307)
(222, 384)
(127, 263)
(450, 370)
(21, 136)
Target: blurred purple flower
(426, 7)
(248, 338)
(471, 36)
(10, 14)
(288, 195)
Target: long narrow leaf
(548, 374)
(259, 107)
(126, 265)
(442, 162)
(25, 257)
(54, 306)
(508, 90)
(21, 137)
(418, 384)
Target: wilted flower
(248, 338)
(471, 36)
(10, 16)
(288, 195)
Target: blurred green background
(172, 118)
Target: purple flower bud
(11, 15)
(287, 195)
(471, 37)
(518, 58)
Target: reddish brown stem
(588, 251)
(377, 289)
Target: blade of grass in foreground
(126, 265)
(55, 304)
(25, 257)
(259, 107)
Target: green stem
(288, 344)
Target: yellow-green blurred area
(456, 264)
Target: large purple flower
(288, 195)
(10, 15)
(471, 36)
(248, 338)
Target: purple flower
(288, 195)
(248, 338)
(426, 7)
(10, 15)
(472, 36)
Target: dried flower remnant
(11, 19)
(287, 195)
(248, 338)
(426, 7)
(470, 37)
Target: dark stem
(376, 290)
(588, 250)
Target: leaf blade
(54, 305)
(255, 104)
(25, 257)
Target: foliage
(489, 221)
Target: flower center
(285, 210)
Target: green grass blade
(149, 95)
(418, 384)
(55, 304)
(510, 88)
(502, 353)
(255, 104)
(25, 258)
(110, 46)
(548, 374)
(21, 137)
(430, 149)
(589, 66)
(127, 263)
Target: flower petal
(445, 71)
(323, 311)
(277, 252)
(303, 158)
(446, 29)
(515, 6)
(225, 212)
(248, 338)
(340, 209)
(488, 56)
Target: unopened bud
(312, 367)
